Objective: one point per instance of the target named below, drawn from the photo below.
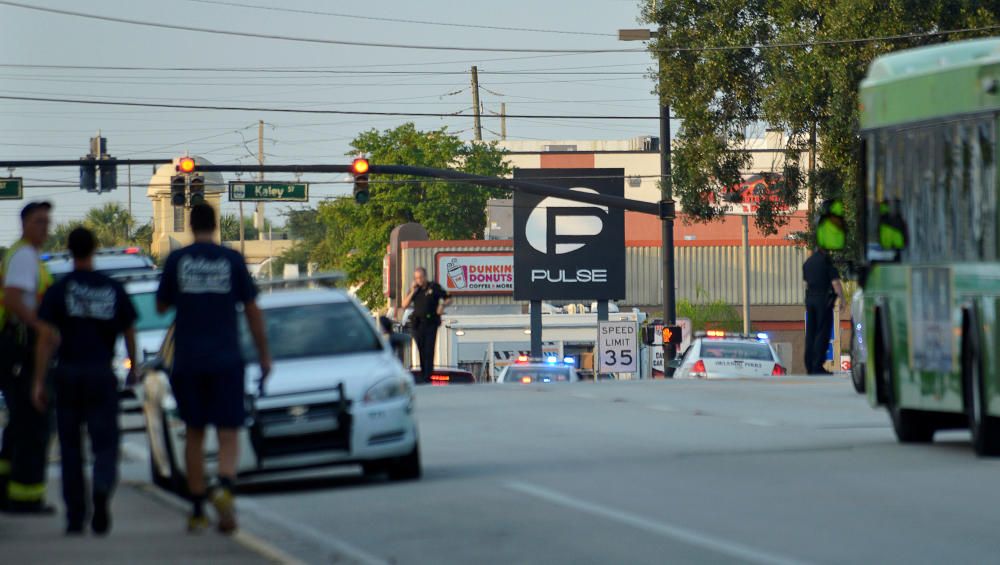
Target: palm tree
(111, 224)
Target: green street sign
(268, 191)
(11, 188)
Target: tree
(803, 83)
(229, 227)
(356, 235)
(111, 224)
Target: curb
(247, 540)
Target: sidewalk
(146, 529)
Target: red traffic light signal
(185, 165)
(359, 166)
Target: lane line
(690, 537)
(301, 530)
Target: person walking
(206, 283)
(429, 300)
(24, 453)
(823, 290)
(83, 314)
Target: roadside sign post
(240, 191)
(11, 188)
(617, 347)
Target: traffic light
(359, 168)
(197, 189)
(831, 229)
(109, 175)
(178, 183)
(88, 177)
(185, 165)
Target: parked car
(536, 371)
(859, 354)
(336, 395)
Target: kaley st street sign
(268, 191)
(11, 188)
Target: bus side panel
(886, 287)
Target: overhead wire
(399, 20)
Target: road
(793, 470)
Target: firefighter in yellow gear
(24, 450)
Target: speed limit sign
(617, 347)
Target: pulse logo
(557, 226)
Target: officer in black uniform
(83, 314)
(428, 300)
(823, 289)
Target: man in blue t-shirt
(82, 315)
(206, 283)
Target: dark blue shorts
(210, 398)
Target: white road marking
(320, 538)
(662, 408)
(731, 549)
(586, 395)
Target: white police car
(336, 395)
(720, 355)
(548, 369)
(110, 261)
(150, 329)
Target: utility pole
(666, 198)
(130, 216)
(475, 104)
(260, 161)
(503, 121)
(811, 192)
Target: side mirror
(386, 324)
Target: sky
(390, 79)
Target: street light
(666, 197)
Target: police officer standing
(823, 289)
(24, 454)
(428, 300)
(85, 312)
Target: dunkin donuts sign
(476, 273)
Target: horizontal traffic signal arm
(428, 172)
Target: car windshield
(148, 318)
(517, 374)
(313, 330)
(751, 351)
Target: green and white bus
(930, 265)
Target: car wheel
(858, 377)
(406, 468)
(985, 429)
(910, 426)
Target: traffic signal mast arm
(427, 172)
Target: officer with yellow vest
(24, 453)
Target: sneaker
(100, 522)
(197, 524)
(225, 506)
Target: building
(171, 226)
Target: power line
(305, 39)
(399, 20)
(337, 70)
(656, 49)
(311, 111)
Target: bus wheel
(910, 426)
(985, 429)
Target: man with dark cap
(85, 312)
(24, 454)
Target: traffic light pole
(540, 189)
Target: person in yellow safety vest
(891, 228)
(24, 451)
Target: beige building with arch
(171, 225)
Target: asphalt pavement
(790, 470)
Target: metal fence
(704, 273)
